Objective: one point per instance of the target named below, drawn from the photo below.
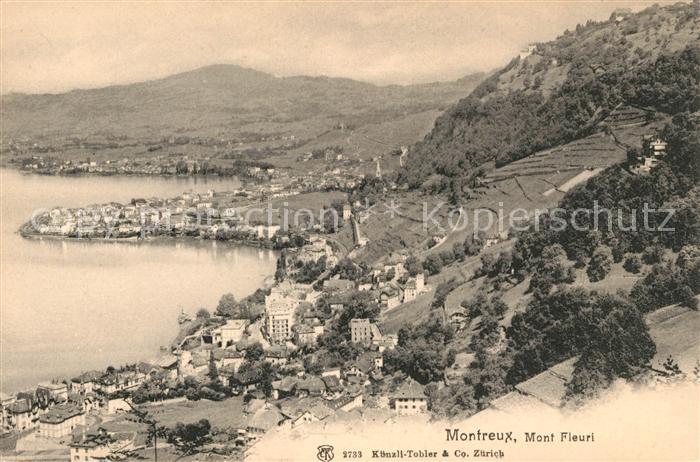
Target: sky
(60, 46)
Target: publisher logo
(325, 453)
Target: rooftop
(60, 414)
(409, 390)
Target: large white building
(231, 332)
(60, 421)
(280, 306)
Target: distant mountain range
(221, 101)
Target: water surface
(69, 306)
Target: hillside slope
(559, 93)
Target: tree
(188, 438)
(632, 264)
(457, 399)
(600, 264)
(281, 270)
(458, 251)
(413, 266)
(254, 352)
(346, 269)
(472, 246)
(653, 254)
(442, 291)
(213, 372)
(488, 264)
(619, 346)
(181, 167)
(550, 269)
(228, 306)
(421, 351)
(433, 264)
(203, 314)
(687, 297)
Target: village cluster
(70, 411)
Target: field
(221, 414)
(675, 331)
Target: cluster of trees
(550, 269)
(607, 332)
(229, 307)
(159, 389)
(668, 283)
(335, 346)
(255, 370)
(434, 262)
(308, 272)
(189, 438)
(422, 351)
(347, 269)
(483, 305)
(370, 189)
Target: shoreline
(176, 176)
(141, 240)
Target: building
(262, 420)
(410, 292)
(308, 335)
(347, 212)
(60, 421)
(21, 415)
(91, 448)
(653, 151)
(280, 306)
(266, 232)
(279, 323)
(420, 282)
(277, 356)
(5, 402)
(361, 330)
(231, 332)
(409, 399)
(56, 392)
(390, 296)
(102, 446)
(85, 382)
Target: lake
(70, 306)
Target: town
(264, 360)
(371, 296)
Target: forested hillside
(560, 92)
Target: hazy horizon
(59, 47)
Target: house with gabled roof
(284, 388)
(409, 398)
(310, 386)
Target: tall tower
(379, 168)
